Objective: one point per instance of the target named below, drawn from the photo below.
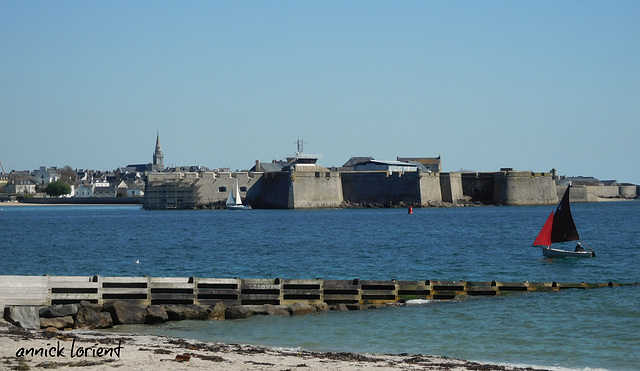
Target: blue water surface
(575, 329)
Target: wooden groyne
(50, 290)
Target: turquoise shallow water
(573, 329)
(551, 330)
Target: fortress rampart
(296, 190)
(275, 191)
(524, 188)
(381, 187)
(595, 193)
(315, 189)
(628, 191)
(431, 189)
(189, 190)
(451, 187)
(318, 187)
(478, 187)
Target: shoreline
(88, 350)
(29, 204)
(351, 206)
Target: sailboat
(560, 227)
(234, 202)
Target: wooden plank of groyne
(130, 289)
(24, 290)
(210, 291)
(542, 286)
(341, 291)
(172, 290)
(447, 290)
(478, 288)
(616, 284)
(308, 291)
(512, 286)
(73, 289)
(413, 290)
(378, 292)
(597, 285)
(260, 291)
(564, 286)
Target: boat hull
(238, 207)
(557, 253)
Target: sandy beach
(87, 350)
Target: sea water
(576, 329)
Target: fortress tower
(158, 159)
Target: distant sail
(234, 201)
(231, 199)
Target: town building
(25, 187)
(4, 179)
(46, 175)
(433, 164)
(156, 165)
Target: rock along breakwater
(61, 302)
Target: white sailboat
(234, 202)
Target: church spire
(158, 159)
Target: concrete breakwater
(98, 302)
(51, 290)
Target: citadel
(299, 182)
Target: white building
(25, 187)
(85, 190)
(46, 175)
(130, 189)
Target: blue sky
(531, 85)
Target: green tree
(57, 188)
(68, 174)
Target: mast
(300, 143)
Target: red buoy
(410, 209)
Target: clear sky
(531, 85)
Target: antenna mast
(300, 143)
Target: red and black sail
(559, 226)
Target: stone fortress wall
(524, 188)
(303, 184)
(321, 188)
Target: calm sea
(581, 329)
